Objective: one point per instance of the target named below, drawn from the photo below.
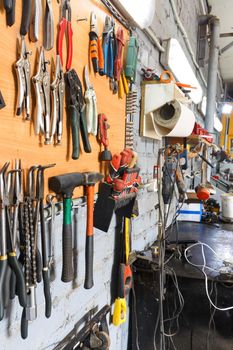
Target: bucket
(227, 205)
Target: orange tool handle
(90, 209)
(89, 248)
(93, 50)
(169, 79)
(100, 56)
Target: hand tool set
(65, 185)
(21, 267)
(24, 262)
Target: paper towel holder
(154, 96)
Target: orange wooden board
(17, 138)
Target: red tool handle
(70, 46)
(61, 33)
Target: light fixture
(227, 108)
(137, 11)
(175, 60)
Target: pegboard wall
(17, 138)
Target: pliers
(96, 51)
(23, 69)
(65, 24)
(41, 83)
(58, 94)
(109, 43)
(76, 107)
(91, 105)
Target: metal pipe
(186, 40)
(212, 79)
(149, 32)
(212, 74)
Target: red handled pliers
(64, 24)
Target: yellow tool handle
(125, 83)
(119, 313)
(127, 249)
(120, 88)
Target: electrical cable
(135, 316)
(204, 266)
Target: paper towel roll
(174, 119)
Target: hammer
(65, 185)
(90, 179)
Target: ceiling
(223, 9)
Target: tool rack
(17, 138)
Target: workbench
(194, 320)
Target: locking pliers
(23, 69)
(58, 93)
(41, 83)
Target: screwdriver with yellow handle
(124, 282)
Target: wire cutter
(65, 24)
(91, 105)
(96, 51)
(23, 69)
(58, 94)
(109, 42)
(41, 83)
(76, 107)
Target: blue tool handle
(105, 54)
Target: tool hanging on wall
(131, 59)
(93, 335)
(96, 51)
(91, 105)
(65, 26)
(9, 6)
(51, 253)
(41, 83)
(26, 16)
(76, 110)
(118, 64)
(90, 179)
(119, 192)
(109, 46)
(125, 278)
(131, 109)
(45, 268)
(8, 242)
(23, 70)
(48, 41)
(64, 185)
(103, 127)
(30, 251)
(34, 29)
(58, 94)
